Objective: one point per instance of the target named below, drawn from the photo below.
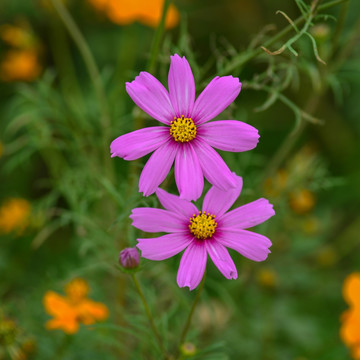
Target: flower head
(148, 12)
(349, 331)
(301, 201)
(16, 36)
(188, 137)
(129, 258)
(202, 233)
(74, 308)
(14, 215)
(20, 65)
(21, 62)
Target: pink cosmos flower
(187, 137)
(202, 233)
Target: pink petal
(248, 215)
(174, 203)
(181, 86)
(215, 98)
(249, 244)
(213, 166)
(188, 174)
(157, 167)
(163, 247)
(158, 220)
(222, 259)
(192, 265)
(218, 201)
(139, 143)
(229, 135)
(151, 96)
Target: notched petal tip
(176, 57)
(233, 275)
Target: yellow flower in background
(267, 278)
(148, 12)
(350, 328)
(14, 215)
(1, 149)
(21, 62)
(20, 65)
(327, 256)
(351, 290)
(77, 289)
(13, 341)
(276, 185)
(301, 201)
(16, 36)
(74, 308)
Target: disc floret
(203, 225)
(183, 129)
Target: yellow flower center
(203, 225)
(183, 129)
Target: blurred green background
(64, 204)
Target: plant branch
(243, 58)
(157, 38)
(148, 314)
(191, 313)
(88, 59)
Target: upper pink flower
(203, 233)
(188, 137)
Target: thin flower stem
(158, 36)
(289, 142)
(188, 321)
(139, 118)
(339, 26)
(89, 61)
(148, 313)
(243, 58)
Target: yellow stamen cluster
(203, 225)
(183, 129)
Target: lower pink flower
(203, 233)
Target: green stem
(139, 118)
(157, 38)
(64, 64)
(290, 140)
(148, 314)
(339, 26)
(88, 59)
(188, 321)
(241, 59)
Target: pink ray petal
(174, 203)
(181, 86)
(249, 244)
(150, 95)
(192, 265)
(248, 215)
(157, 167)
(163, 247)
(139, 143)
(158, 220)
(229, 135)
(215, 98)
(218, 201)
(188, 174)
(213, 166)
(221, 258)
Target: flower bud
(188, 349)
(129, 258)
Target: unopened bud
(129, 258)
(188, 349)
